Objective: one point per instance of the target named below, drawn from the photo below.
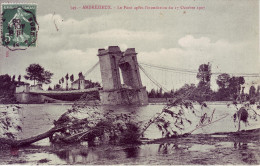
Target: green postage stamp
(19, 25)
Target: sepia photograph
(130, 82)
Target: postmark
(19, 26)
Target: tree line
(7, 88)
(89, 83)
(229, 88)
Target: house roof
(77, 81)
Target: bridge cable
(91, 69)
(188, 71)
(152, 80)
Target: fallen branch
(28, 141)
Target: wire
(187, 71)
(153, 80)
(91, 69)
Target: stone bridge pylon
(116, 92)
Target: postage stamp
(19, 25)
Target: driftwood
(28, 141)
(63, 124)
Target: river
(202, 147)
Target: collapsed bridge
(112, 61)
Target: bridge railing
(64, 92)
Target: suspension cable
(152, 80)
(187, 71)
(91, 69)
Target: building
(80, 83)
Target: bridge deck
(42, 92)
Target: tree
(223, 81)
(172, 93)
(252, 92)
(235, 86)
(62, 81)
(229, 87)
(157, 93)
(57, 87)
(67, 78)
(152, 94)
(203, 91)
(46, 78)
(19, 78)
(80, 75)
(167, 95)
(258, 93)
(7, 89)
(184, 89)
(5, 82)
(36, 72)
(160, 93)
(13, 78)
(72, 78)
(49, 88)
(204, 75)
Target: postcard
(129, 82)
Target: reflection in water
(70, 154)
(43, 157)
(75, 154)
(132, 152)
(246, 153)
(83, 154)
(62, 154)
(169, 148)
(179, 152)
(163, 148)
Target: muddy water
(202, 147)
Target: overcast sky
(225, 33)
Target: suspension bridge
(122, 82)
(168, 78)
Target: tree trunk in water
(28, 141)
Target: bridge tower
(112, 61)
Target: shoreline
(151, 101)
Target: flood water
(202, 147)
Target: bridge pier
(112, 61)
(124, 96)
(27, 98)
(23, 95)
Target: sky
(224, 33)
